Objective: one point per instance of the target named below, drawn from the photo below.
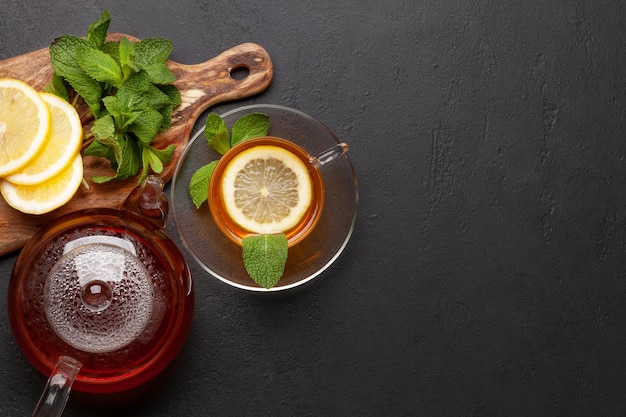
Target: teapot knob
(149, 201)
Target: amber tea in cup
(246, 198)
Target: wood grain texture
(201, 85)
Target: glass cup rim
(301, 231)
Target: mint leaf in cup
(264, 257)
(199, 184)
(250, 126)
(216, 133)
(221, 140)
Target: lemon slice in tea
(24, 124)
(266, 189)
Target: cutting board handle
(205, 84)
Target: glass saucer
(306, 260)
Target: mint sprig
(264, 256)
(199, 184)
(128, 89)
(221, 140)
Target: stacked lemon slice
(40, 137)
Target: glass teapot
(101, 300)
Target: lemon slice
(24, 124)
(66, 135)
(47, 196)
(266, 189)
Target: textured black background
(486, 274)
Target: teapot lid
(98, 297)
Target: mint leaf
(251, 125)
(127, 57)
(97, 31)
(57, 86)
(166, 111)
(89, 89)
(100, 179)
(130, 162)
(65, 64)
(103, 129)
(264, 257)
(107, 143)
(216, 133)
(123, 117)
(159, 73)
(165, 155)
(199, 184)
(111, 48)
(152, 51)
(147, 125)
(151, 159)
(172, 92)
(124, 155)
(99, 66)
(138, 93)
(99, 149)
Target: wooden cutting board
(201, 85)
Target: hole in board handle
(239, 72)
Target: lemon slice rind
(47, 196)
(59, 150)
(24, 124)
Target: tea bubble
(98, 297)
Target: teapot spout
(149, 201)
(57, 390)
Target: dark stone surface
(486, 275)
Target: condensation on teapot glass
(98, 297)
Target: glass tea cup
(295, 234)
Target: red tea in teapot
(107, 289)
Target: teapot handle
(54, 397)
